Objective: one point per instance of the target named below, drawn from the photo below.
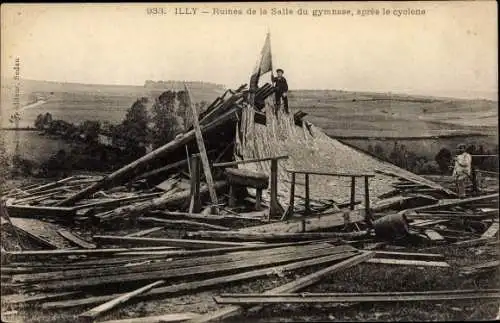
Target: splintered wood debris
(156, 228)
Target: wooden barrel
(393, 226)
(247, 178)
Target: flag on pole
(264, 63)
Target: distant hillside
(74, 102)
(363, 114)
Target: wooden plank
(353, 193)
(274, 204)
(29, 211)
(492, 231)
(347, 298)
(42, 232)
(182, 243)
(201, 147)
(453, 202)
(293, 286)
(272, 236)
(247, 161)
(177, 223)
(367, 197)
(38, 298)
(405, 262)
(411, 255)
(195, 203)
(76, 252)
(172, 273)
(474, 242)
(330, 173)
(166, 318)
(217, 281)
(92, 314)
(162, 169)
(434, 235)
(428, 222)
(76, 240)
(313, 223)
(116, 202)
(143, 233)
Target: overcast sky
(449, 51)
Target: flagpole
(270, 51)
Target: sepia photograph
(249, 162)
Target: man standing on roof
(462, 170)
(281, 90)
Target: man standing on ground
(462, 170)
(281, 90)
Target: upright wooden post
(203, 152)
(195, 205)
(367, 198)
(308, 202)
(292, 195)
(353, 193)
(273, 208)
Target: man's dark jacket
(280, 84)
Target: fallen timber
(311, 223)
(123, 172)
(291, 287)
(196, 285)
(274, 236)
(121, 279)
(180, 263)
(92, 314)
(154, 204)
(250, 299)
(182, 243)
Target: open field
(74, 102)
(354, 114)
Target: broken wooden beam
(201, 147)
(434, 235)
(143, 233)
(247, 161)
(76, 240)
(166, 318)
(406, 262)
(313, 223)
(29, 211)
(93, 313)
(78, 252)
(273, 236)
(182, 243)
(492, 231)
(167, 199)
(181, 223)
(446, 203)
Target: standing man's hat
(280, 70)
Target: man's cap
(461, 146)
(280, 70)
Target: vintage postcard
(249, 162)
